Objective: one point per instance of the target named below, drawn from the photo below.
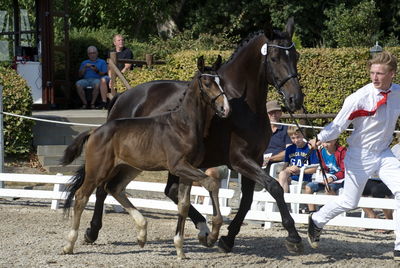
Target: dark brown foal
(119, 150)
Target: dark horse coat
(267, 57)
(120, 149)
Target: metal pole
(1, 136)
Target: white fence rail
(56, 194)
(270, 214)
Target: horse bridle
(212, 99)
(277, 85)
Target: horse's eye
(274, 59)
(208, 83)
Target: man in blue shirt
(295, 156)
(279, 140)
(91, 71)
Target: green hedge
(17, 99)
(327, 75)
(179, 66)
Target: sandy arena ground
(33, 236)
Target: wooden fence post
(113, 59)
(149, 60)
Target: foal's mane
(189, 84)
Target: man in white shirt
(373, 110)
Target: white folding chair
(296, 187)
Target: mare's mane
(277, 35)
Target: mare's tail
(112, 102)
(74, 184)
(74, 150)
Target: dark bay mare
(267, 57)
(121, 149)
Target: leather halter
(214, 99)
(210, 100)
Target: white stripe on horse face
(226, 103)
(287, 52)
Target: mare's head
(281, 64)
(210, 85)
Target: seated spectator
(218, 173)
(376, 188)
(279, 140)
(122, 53)
(295, 158)
(333, 164)
(91, 71)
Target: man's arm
(127, 66)
(341, 121)
(82, 69)
(279, 157)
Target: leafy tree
(352, 27)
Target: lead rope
(278, 87)
(324, 177)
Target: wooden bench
(59, 181)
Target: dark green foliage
(356, 26)
(17, 99)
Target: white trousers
(359, 167)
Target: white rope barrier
(306, 126)
(97, 125)
(51, 121)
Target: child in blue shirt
(295, 155)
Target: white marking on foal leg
(71, 239)
(178, 242)
(141, 224)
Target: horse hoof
(182, 257)
(210, 242)
(202, 240)
(223, 245)
(295, 248)
(141, 243)
(67, 250)
(88, 238)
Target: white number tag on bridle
(264, 49)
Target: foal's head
(210, 85)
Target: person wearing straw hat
(275, 151)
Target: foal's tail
(74, 184)
(74, 150)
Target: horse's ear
(217, 63)
(200, 64)
(268, 30)
(290, 27)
